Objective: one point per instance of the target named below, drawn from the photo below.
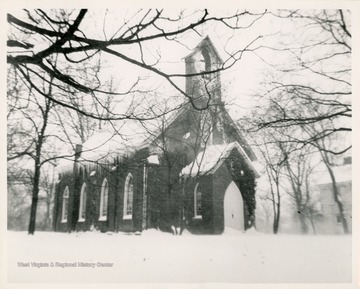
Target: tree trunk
(37, 172)
(277, 208)
(48, 214)
(337, 199)
(311, 217)
(296, 187)
(274, 199)
(303, 226)
(35, 197)
(276, 220)
(301, 210)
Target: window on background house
(65, 205)
(82, 209)
(104, 200)
(197, 201)
(128, 197)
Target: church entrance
(233, 208)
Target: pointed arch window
(82, 208)
(128, 197)
(65, 205)
(104, 200)
(197, 202)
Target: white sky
(240, 82)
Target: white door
(233, 208)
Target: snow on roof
(209, 160)
(111, 141)
(107, 142)
(342, 174)
(64, 165)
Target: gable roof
(165, 123)
(242, 139)
(134, 135)
(103, 146)
(209, 160)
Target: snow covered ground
(251, 257)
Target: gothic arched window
(104, 200)
(197, 201)
(82, 208)
(128, 197)
(65, 205)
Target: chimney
(78, 150)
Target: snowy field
(93, 257)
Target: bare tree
(39, 141)
(336, 192)
(264, 217)
(325, 148)
(43, 34)
(316, 75)
(274, 172)
(307, 98)
(29, 138)
(272, 160)
(46, 198)
(19, 198)
(298, 170)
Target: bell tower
(205, 88)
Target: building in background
(329, 220)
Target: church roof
(124, 141)
(212, 157)
(110, 142)
(134, 135)
(244, 144)
(107, 143)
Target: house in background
(329, 221)
(194, 170)
(322, 212)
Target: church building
(196, 172)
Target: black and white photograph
(206, 146)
